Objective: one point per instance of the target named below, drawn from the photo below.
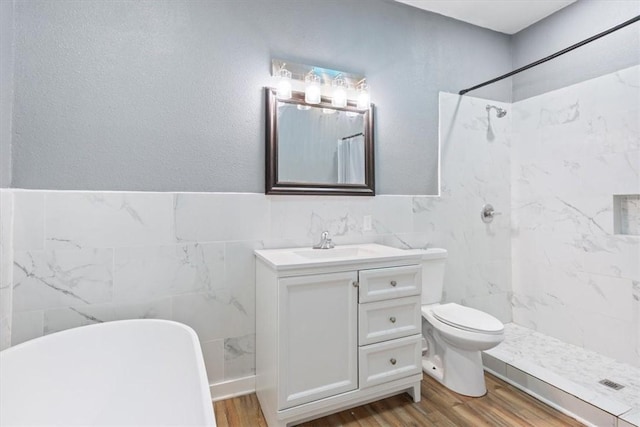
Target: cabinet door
(317, 328)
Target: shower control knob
(487, 213)
(393, 361)
(392, 319)
(394, 283)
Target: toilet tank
(433, 262)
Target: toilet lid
(467, 318)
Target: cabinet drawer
(390, 360)
(389, 319)
(385, 283)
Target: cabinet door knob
(392, 319)
(393, 361)
(394, 283)
(355, 284)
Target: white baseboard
(233, 388)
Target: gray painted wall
(166, 94)
(6, 89)
(570, 25)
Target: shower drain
(611, 384)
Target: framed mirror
(318, 148)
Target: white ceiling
(505, 16)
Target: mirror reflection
(320, 145)
(317, 148)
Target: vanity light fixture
(339, 86)
(364, 99)
(283, 88)
(344, 89)
(312, 91)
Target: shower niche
(626, 214)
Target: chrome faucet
(325, 242)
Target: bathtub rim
(205, 392)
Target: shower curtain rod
(555, 55)
(353, 136)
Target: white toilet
(455, 335)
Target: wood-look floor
(503, 405)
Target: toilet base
(431, 369)
(461, 372)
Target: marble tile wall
(573, 277)
(88, 257)
(475, 149)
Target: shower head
(500, 112)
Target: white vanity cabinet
(333, 332)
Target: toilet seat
(468, 319)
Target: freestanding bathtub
(122, 373)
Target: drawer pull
(393, 361)
(392, 319)
(355, 284)
(394, 283)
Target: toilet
(454, 335)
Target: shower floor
(536, 361)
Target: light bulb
(312, 94)
(283, 87)
(339, 92)
(364, 99)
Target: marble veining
(239, 356)
(220, 314)
(50, 279)
(563, 115)
(56, 320)
(149, 272)
(107, 220)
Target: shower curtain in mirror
(351, 160)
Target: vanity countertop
(295, 258)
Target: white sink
(351, 252)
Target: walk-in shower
(563, 169)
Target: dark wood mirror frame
(273, 186)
